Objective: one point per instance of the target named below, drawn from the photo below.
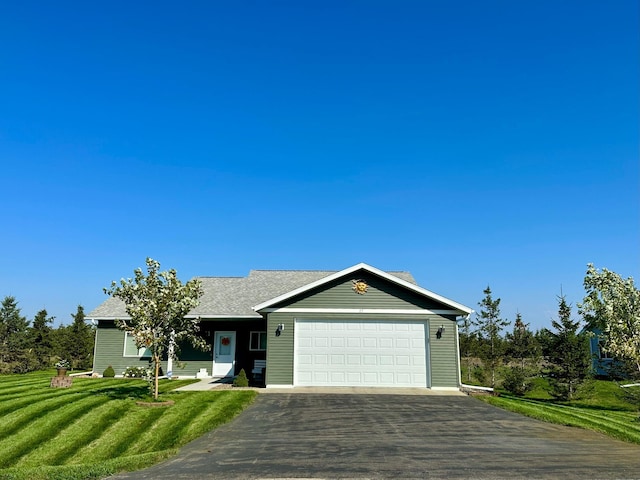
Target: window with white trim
(258, 341)
(130, 349)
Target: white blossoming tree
(157, 304)
(613, 305)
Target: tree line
(561, 354)
(27, 346)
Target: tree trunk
(156, 370)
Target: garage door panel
(354, 360)
(402, 360)
(320, 342)
(369, 360)
(360, 353)
(337, 360)
(386, 360)
(305, 359)
(368, 342)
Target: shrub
(241, 380)
(135, 372)
(109, 372)
(517, 382)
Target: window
(258, 341)
(130, 349)
(602, 349)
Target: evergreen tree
(80, 341)
(40, 340)
(489, 326)
(544, 337)
(569, 354)
(522, 346)
(13, 342)
(523, 349)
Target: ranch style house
(360, 326)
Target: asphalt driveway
(292, 435)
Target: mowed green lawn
(95, 428)
(600, 405)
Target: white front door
(224, 354)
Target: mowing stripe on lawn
(18, 419)
(81, 432)
(614, 418)
(572, 416)
(215, 415)
(120, 435)
(611, 426)
(167, 431)
(13, 404)
(43, 429)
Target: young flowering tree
(157, 304)
(613, 304)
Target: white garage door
(360, 353)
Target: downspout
(462, 385)
(95, 344)
(458, 350)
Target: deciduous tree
(157, 305)
(613, 305)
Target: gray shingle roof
(235, 296)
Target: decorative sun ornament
(360, 287)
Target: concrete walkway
(204, 384)
(212, 383)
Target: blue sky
(471, 143)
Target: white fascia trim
(121, 317)
(230, 317)
(375, 271)
(360, 310)
(278, 386)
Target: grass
(95, 429)
(600, 405)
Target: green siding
(444, 354)
(110, 347)
(280, 349)
(380, 294)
